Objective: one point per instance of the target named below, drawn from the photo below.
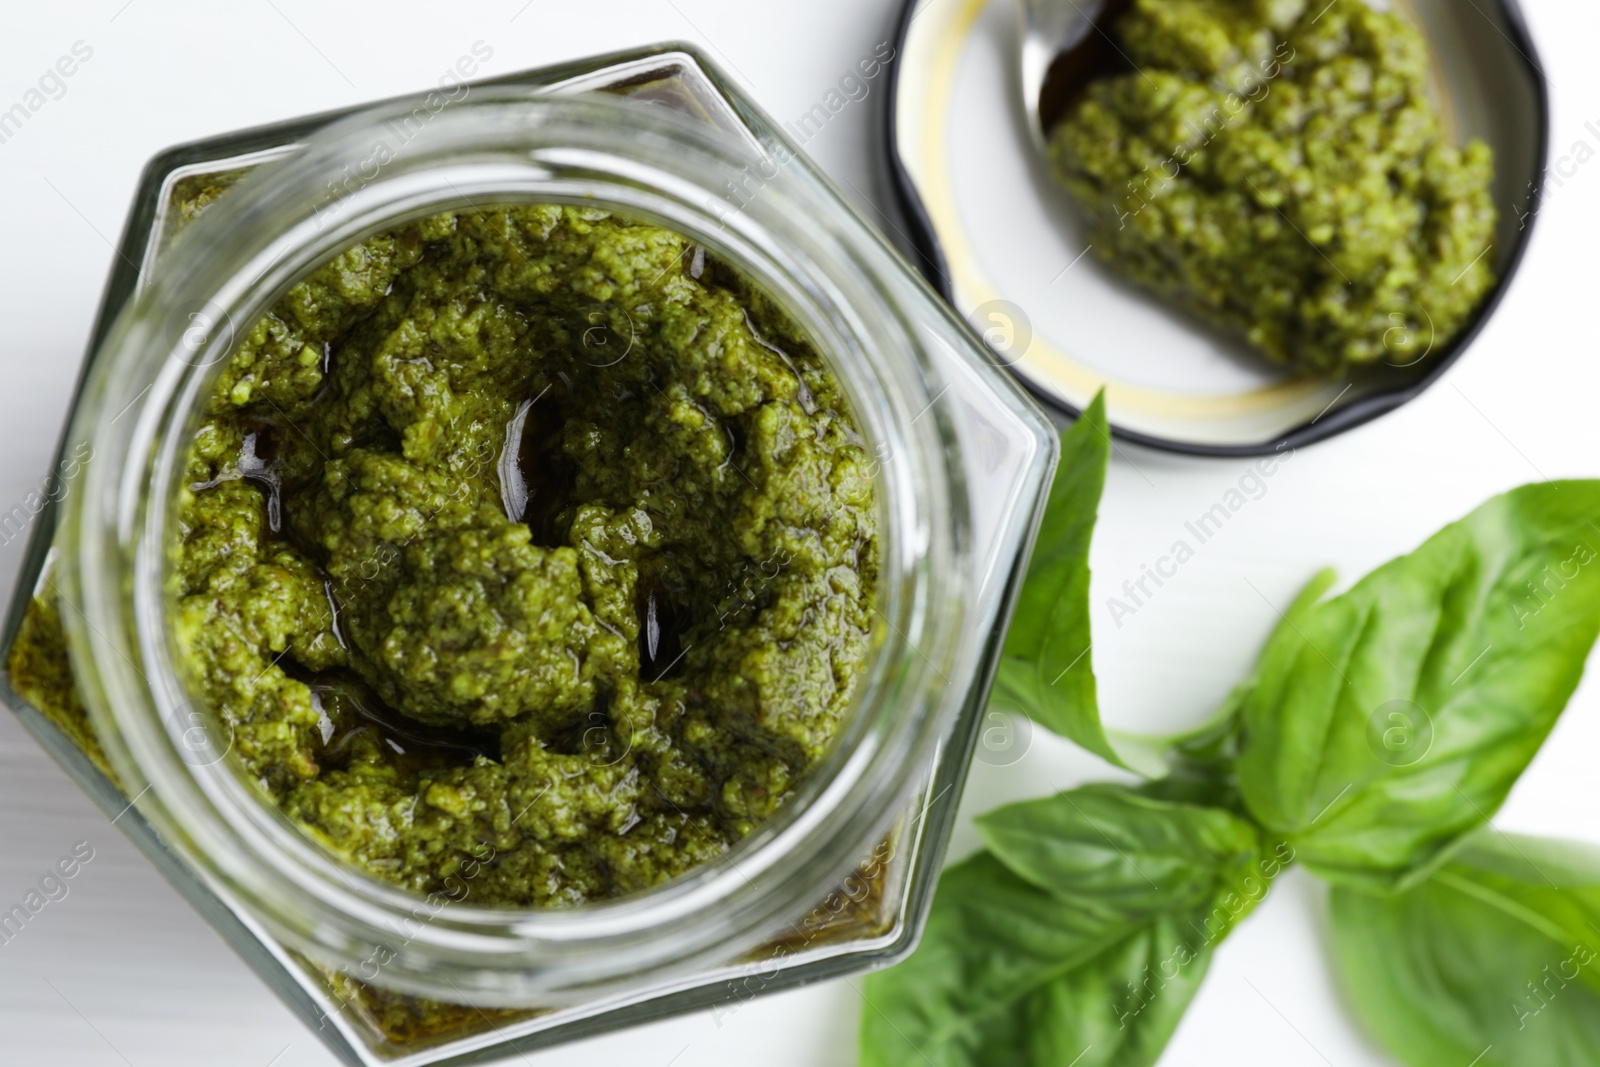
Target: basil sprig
(1379, 732)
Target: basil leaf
(1008, 974)
(1493, 961)
(1392, 720)
(1097, 969)
(1121, 1009)
(1110, 847)
(1046, 669)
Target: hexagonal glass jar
(841, 878)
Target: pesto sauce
(527, 556)
(1278, 168)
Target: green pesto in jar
(1278, 168)
(527, 556)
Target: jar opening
(530, 541)
(508, 147)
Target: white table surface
(122, 972)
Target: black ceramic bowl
(994, 234)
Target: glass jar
(841, 878)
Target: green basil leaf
(1046, 667)
(1492, 961)
(1392, 720)
(1109, 847)
(1121, 1009)
(1097, 968)
(1008, 974)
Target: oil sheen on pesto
(531, 534)
(1278, 168)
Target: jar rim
(528, 146)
